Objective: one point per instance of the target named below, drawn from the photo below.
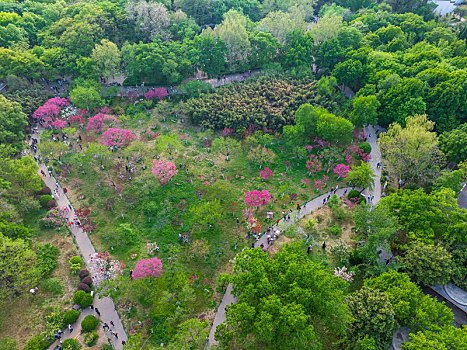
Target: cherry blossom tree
(117, 137)
(341, 170)
(97, 122)
(257, 198)
(305, 182)
(318, 184)
(164, 170)
(313, 165)
(266, 174)
(148, 268)
(51, 108)
(132, 95)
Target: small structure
(269, 215)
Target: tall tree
(12, 121)
(107, 58)
(362, 176)
(365, 111)
(151, 18)
(232, 31)
(454, 143)
(279, 298)
(412, 152)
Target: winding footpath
(310, 206)
(105, 305)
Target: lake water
(444, 6)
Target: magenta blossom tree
(117, 137)
(313, 164)
(148, 268)
(266, 174)
(305, 182)
(164, 170)
(51, 108)
(341, 170)
(318, 184)
(59, 124)
(97, 122)
(257, 198)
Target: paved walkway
(305, 210)
(105, 304)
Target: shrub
(365, 147)
(89, 323)
(51, 204)
(75, 260)
(87, 280)
(52, 286)
(82, 298)
(44, 199)
(90, 338)
(45, 190)
(35, 343)
(335, 230)
(84, 286)
(383, 179)
(70, 344)
(385, 173)
(83, 273)
(353, 194)
(70, 316)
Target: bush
(385, 173)
(335, 230)
(353, 194)
(83, 273)
(90, 338)
(383, 179)
(75, 260)
(89, 323)
(70, 316)
(84, 286)
(87, 280)
(82, 298)
(52, 286)
(51, 204)
(35, 343)
(70, 344)
(44, 199)
(365, 147)
(45, 190)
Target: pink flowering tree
(266, 174)
(148, 268)
(257, 198)
(117, 137)
(149, 96)
(58, 124)
(305, 182)
(248, 213)
(164, 170)
(341, 170)
(318, 185)
(97, 122)
(313, 165)
(161, 93)
(132, 95)
(227, 132)
(51, 108)
(325, 179)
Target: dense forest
(303, 161)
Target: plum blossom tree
(148, 268)
(97, 122)
(117, 137)
(257, 198)
(266, 174)
(164, 170)
(341, 170)
(313, 164)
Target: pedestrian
(298, 206)
(323, 245)
(252, 245)
(70, 328)
(97, 312)
(237, 221)
(116, 335)
(112, 323)
(131, 274)
(57, 336)
(105, 326)
(70, 207)
(123, 342)
(324, 200)
(91, 307)
(308, 250)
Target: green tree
(211, 52)
(280, 315)
(454, 143)
(426, 217)
(365, 111)
(448, 338)
(12, 121)
(232, 31)
(169, 144)
(261, 155)
(206, 213)
(373, 316)
(449, 179)
(428, 264)
(191, 335)
(334, 129)
(362, 176)
(86, 97)
(107, 58)
(22, 175)
(280, 24)
(226, 146)
(17, 273)
(412, 152)
(350, 72)
(7, 343)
